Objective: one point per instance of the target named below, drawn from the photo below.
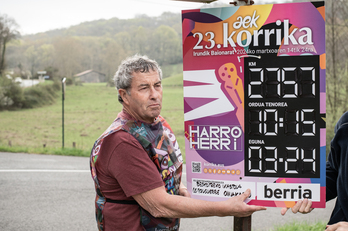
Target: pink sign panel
(254, 102)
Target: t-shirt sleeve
(132, 167)
(336, 165)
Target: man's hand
(340, 226)
(183, 191)
(241, 209)
(302, 206)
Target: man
(136, 163)
(337, 176)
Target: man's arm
(331, 174)
(161, 204)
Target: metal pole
(242, 223)
(63, 98)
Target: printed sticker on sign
(288, 192)
(221, 188)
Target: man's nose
(154, 93)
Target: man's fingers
(246, 194)
(283, 211)
(340, 226)
(302, 206)
(333, 227)
(250, 209)
(184, 192)
(330, 227)
(258, 208)
(187, 194)
(306, 206)
(297, 206)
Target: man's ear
(124, 95)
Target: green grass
(88, 111)
(301, 226)
(169, 70)
(173, 81)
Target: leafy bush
(15, 93)
(39, 95)
(69, 81)
(12, 96)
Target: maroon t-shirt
(124, 169)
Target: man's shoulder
(120, 136)
(117, 142)
(342, 122)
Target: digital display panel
(282, 137)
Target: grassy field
(88, 111)
(301, 226)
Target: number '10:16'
(267, 122)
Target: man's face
(145, 98)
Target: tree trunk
(2, 61)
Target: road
(54, 193)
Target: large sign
(254, 101)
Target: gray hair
(133, 64)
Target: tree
(46, 55)
(32, 59)
(68, 53)
(166, 45)
(8, 31)
(337, 54)
(141, 40)
(112, 55)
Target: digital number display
(282, 114)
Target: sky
(34, 16)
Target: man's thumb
(283, 211)
(246, 194)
